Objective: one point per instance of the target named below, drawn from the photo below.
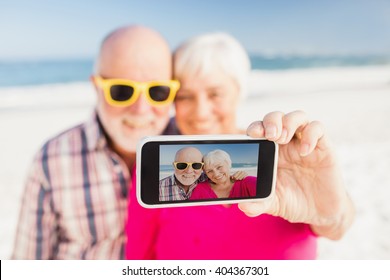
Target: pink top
(213, 232)
(243, 188)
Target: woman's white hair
(217, 156)
(205, 53)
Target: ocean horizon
(169, 167)
(59, 71)
(250, 169)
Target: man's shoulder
(68, 141)
(66, 134)
(55, 149)
(167, 181)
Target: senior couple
(79, 200)
(205, 177)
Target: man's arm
(35, 236)
(239, 175)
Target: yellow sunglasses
(121, 92)
(185, 165)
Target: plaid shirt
(74, 204)
(170, 189)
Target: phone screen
(193, 172)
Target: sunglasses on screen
(185, 165)
(121, 92)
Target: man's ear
(94, 83)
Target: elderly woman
(217, 165)
(310, 198)
(213, 71)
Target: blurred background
(52, 41)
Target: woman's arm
(309, 188)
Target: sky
(239, 153)
(42, 29)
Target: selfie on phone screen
(176, 171)
(207, 171)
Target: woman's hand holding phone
(309, 186)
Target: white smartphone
(190, 170)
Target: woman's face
(207, 104)
(218, 172)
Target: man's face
(125, 126)
(189, 175)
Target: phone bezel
(145, 166)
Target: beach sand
(351, 102)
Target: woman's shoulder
(246, 180)
(249, 179)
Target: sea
(169, 167)
(251, 169)
(58, 71)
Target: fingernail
(270, 131)
(304, 150)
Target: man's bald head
(189, 154)
(130, 47)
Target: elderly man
(188, 169)
(75, 199)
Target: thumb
(255, 208)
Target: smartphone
(188, 170)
